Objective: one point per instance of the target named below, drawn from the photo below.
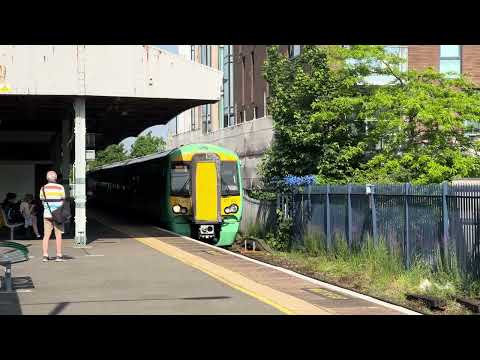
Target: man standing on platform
(53, 197)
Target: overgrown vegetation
(262, 194)
(377, 270)
(328, 119)
(279, 238)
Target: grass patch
(257, 230)
(379, 271)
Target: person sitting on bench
(27, 208)
(12, 209)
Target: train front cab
(206, 195)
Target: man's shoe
(45, 259)
(59, 258)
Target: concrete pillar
(80, 173)
(65, 166)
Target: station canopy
(127, 88)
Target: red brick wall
(259, 85)
(471, 62)
(423, 56)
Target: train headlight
(232, 209)
(177, 209)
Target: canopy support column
(80, 173)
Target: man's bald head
(51, 176)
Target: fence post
(349, 215)
(327, 213)
(371, 192)
(309, 204)
(406, 226)
(309, 199)
(444, 245)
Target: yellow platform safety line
(283, 302)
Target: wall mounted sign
(90, 155)
(4, 87)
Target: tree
(329, 120)
(147, 144)
(420, 122)
(316, 113)
(112, 153)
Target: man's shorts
(49, 225)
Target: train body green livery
(194, 190)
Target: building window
(252, 75)
(241, 117)
(221, 67)
(206, 118)
(451, 60)
(192, 120)
(472, 129)
(402, 52)
(192, 52)
(226, 61)
(206, 55)
(293, 51)
(243, 80)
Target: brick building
(463, 59)
(240, 120)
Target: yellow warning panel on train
(206, 202)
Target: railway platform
(133, 268)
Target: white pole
(80, 173)
(66, 133)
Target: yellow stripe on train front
(222, 156)
(206, 201)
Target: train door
(206, 189)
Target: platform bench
(11, 253)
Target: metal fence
(257, 212)
(439, 223)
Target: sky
(158, 130)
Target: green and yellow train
(194, 190)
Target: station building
(58, 101)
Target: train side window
(180, 180)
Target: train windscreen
(181, 180)
(229, 177)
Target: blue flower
(295, 181)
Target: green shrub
(314, 243)
(256, 229)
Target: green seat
(11, 253)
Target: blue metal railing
(439, 223)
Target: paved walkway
(140, 269)
(120, 275)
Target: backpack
(13, 215)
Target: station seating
(11, 226)
(11, 253)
